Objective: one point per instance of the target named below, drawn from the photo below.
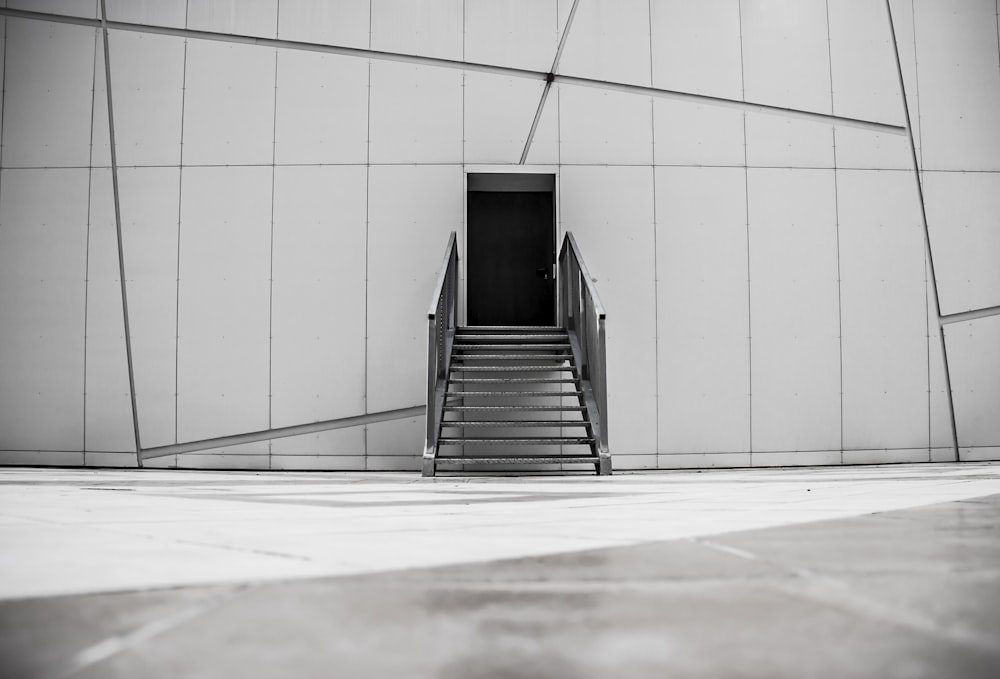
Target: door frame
(463, 250)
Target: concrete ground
(830, 572)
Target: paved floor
(836, 572)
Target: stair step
(494, 409)
(521, 459)
(518, 441)
(512, 357)
(512, 368)
(465, 329)
(512, 394)
(459, 337)
(510, 380)
(510, 347)
(516, 423)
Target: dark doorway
(510, 249)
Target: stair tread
(517, 328)
(496, 408)
(511, 368)
(513, 357)
(502, 337)
(511, 347)
(517, 440)
(511, 380)
(520, 459)
(519, 394)
(516, 423)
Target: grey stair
(511, 380)
(515, 423)
(511, 368)
(484, 358)
(509, 347)
(531, 408)
(467, 329)
(512, 394)
(514, 357)
(520, 459)
(518, 440)
(460, 337)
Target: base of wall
(624, 462)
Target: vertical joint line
(177, 281)
(86, 259)
(746, 213)
(836, 217)
(270, 272)
(927, 233)
(368, 181)
(118, 231)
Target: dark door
(510, 257)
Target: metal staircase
(517, 398)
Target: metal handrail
(582, 315)
(442, 321)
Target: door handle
(543, 273)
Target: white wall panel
(795, 355)
(882, 456)
(154, 12)
(427, 27)
(865, 79)
(229, 104)
(387, 441)
(322, 109)
(222, 363)
(702, 460)
(959, 89)
(343, 23)
(43, 241)
(785, 53)
(246, 17)
(498, 116)
(147, 74)
(81, 8)
(3, 54)
(703, 310)
(411, 212)
(337, 449)
(963, 215)
(416, 114)
(149, 210)
(610, 211)
(605, 127)
(974, 360)
(689, 134)
(773, 141)
(609, 40)
(517, 33)
(883, 311)
(318, 301)
(799, 458)
(863, 149)
(545, 145)
(108, 402)
(42, 458)
(48, 86)
(696, 46)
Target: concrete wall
(284, 213)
